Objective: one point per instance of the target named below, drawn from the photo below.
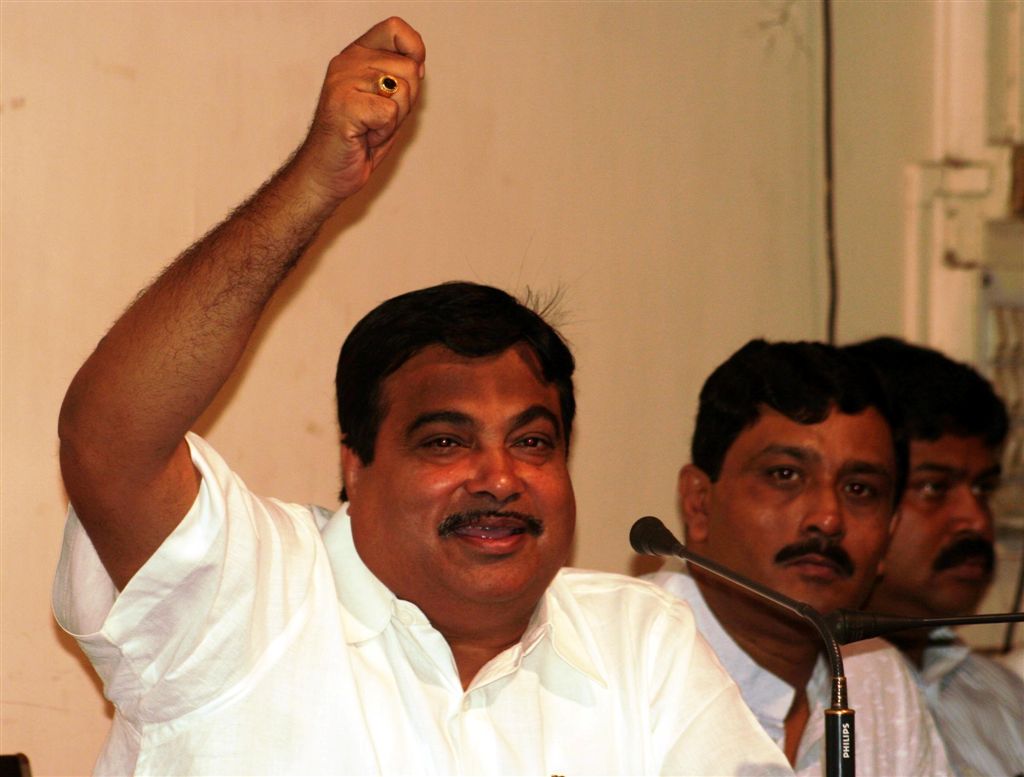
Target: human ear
(351, 468)
(694, 500)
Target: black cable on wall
(830, 241)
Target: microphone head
(650, 538)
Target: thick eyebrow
(995, 471)
(932, 467)
(534, 412)
(793, 451)
(452, 417)
(857, 466)
(463, 420)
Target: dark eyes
(985, 488)
(449, 443)
(793, 477)
(784, 474)
(932, 489)
(442, 443)
(861, 490)
(937, 490)
(535, 442)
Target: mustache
(964, 549)
(455, 521)
(819, 546)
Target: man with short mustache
(794, 478)
(427, 626)
(941, 559)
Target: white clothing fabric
(978, 706)
(1014, 661)
(255, 641)
(893, 732)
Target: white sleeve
(719, 734)
(202, 611)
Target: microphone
(650, 537)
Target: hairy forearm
(126, 466)
(164, 360)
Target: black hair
(804, 381)
(935, 394)
(468, 318)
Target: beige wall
(659, 163)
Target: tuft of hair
(549, 305)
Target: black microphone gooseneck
(650, 537)
(854, 625)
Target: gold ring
(387, 85)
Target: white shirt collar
(367, 604)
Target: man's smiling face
(468, 498)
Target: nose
(969, 510)
(823, 514)
(494, 473)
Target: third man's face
(941, 560)
(802, 508)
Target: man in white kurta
(255, 641)
(428, 627)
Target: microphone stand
(650, 537)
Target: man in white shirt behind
(794, 478)
(941, 559)
(426, 627)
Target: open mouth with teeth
(489, 531)
(497, 531)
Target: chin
(822, 594)
(506, 590)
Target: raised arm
(125, 463)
